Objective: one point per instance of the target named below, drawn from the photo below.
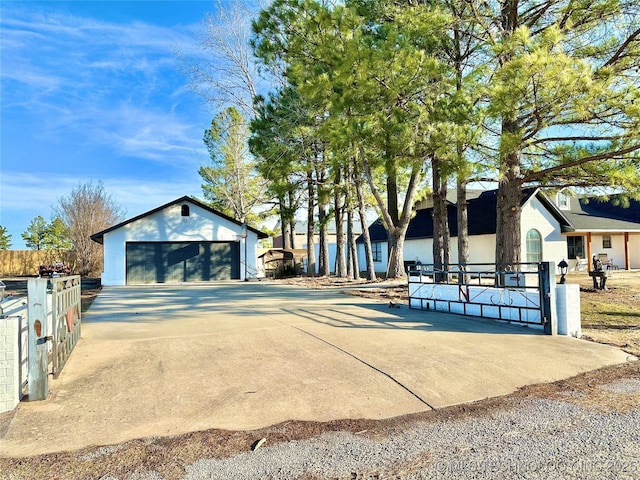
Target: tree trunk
(395, 267)
(508, 212)
(508, 238)
(353, 270)
(285, 225)
(323, 254)
(292, 218)
(323, 243)
(463, 227)
(395, 234)
(341, 264)
(368, 252)
(440, 221)
(396, 229)
(311, 252)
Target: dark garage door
(161, 262)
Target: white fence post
(568, 307)
(38, 385)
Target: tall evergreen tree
(376, 61)
(565, 98)
(35, 233)
(232, 183)
(5, 239)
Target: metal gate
(520, 295)
(54, 328)
(66, 316)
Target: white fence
(527, 295)
(14, 348)
(37, 335)
(503, 303)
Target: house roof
(301, 227)
(589, 214)
(99, 237)
(481, 208)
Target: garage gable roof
(98, 237)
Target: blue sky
(93, 91)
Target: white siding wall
(634, 251)
(380, 266)
(554, 244)
(168, 225)
(481, 249)
(616, 252)
(419, 249)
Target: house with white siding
(553, 228)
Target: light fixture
(564, 267)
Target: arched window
(534, 246)
(185, 210)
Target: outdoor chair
(581, 264)
(604, 258)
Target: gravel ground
(541, 439)
(591, 432)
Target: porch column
(627, 260)
(589, 254)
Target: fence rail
(66, 312)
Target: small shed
(278, 262)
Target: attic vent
(185, 210)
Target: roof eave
(99, 235)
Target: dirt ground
(608, 316)
(611, 316)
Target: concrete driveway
(164, 360)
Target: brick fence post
(9, 363)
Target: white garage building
(182, 241)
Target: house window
(534, 246)
(185, 210)
(575, 247)
(606, 241)
(376, 249)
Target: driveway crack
(389, 376)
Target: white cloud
(82, 95)
(37, 194)
(113, 83)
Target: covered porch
(618, 250)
